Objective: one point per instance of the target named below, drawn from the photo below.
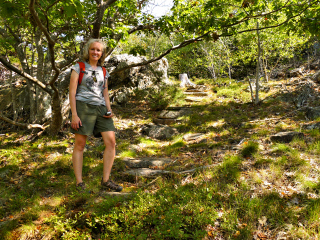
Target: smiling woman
(90, 103)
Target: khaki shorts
(93, 122)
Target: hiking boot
(81, 186)
(109, 185)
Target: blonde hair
(86, 50)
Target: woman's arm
(75, 122)
(107, 99)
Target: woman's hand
(108, 114)
(76, 123)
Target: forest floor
(240, 184)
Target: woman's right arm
(75, 122)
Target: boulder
(147, 162)
(315, 65)
(316, 77)
(312, 126)
(297, 72)
(160, 132)
(123, 83)
(312, 113)
(193, 136)
(285, 137)
(185, 82)
(141, 76)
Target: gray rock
(123, 83)
(197, 93)
(285, 137)
(147, 162)
(160, 132)
(172, 114)
(185, 82)
(297, 72)
(312, 126)
(193, 136)
(165, 121)
(141, 76)
(312, 113)
(144, 172)
(316, 77)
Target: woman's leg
(77, 156)
(109, 140)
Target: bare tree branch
(181, 45)
(268, 13)
(273, 26)
(24, 125)
(51, 44)
(200, 38)
(24, 74)
(141, 27)
(101, 8)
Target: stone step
(144, 172)
(164, 121)
(193, 90)
(193, 99)
(193, 136)
(147, 162)
(202, 94)
(171, 114)
(179, 108)
(197, 88)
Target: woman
(89, 102)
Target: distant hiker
(91, 110)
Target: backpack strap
(104, 72)
(104, 75)
(82, 69)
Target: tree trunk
(229, 71)
(213, 72)
(13, 98)
(56, 119)
(185, 82)
(258, 66)
(40, 69)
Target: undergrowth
(233, 183)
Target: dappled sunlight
(231, 180)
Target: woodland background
(224, 172)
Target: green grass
(231, 191)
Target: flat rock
(312, 113)
(285, 137)
(177, 108)
(171, 114)
(144, 172)
(193, 99)
(193, 136)
(111, 194)
(165, 121)
(147, 162)
(193, 90)
(312, 126)
(202, 94)
(160, 131)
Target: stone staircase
(153, 166)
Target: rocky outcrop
(123, 83)
(286, 137)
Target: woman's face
(95, 51)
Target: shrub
(249, 149)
